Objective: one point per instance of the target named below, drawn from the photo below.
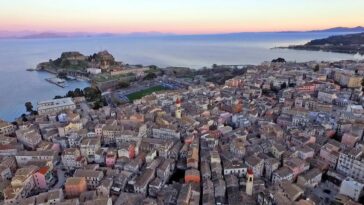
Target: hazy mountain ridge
(54, 34)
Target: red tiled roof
(250, 171)
(43, 170)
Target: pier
(57, 81)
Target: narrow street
(61, 179)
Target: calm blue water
(16, 55)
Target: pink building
(110, 159)
(297, 166)
(224, 118)
(131, 151)
(56, 147)
(308, 87)
(43, 178)
(330, 153)
(349, 139)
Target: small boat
(31, 69)
(71, 77)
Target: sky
(178, 16)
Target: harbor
(57, 81)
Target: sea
(18, 86)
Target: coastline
(323, 49)
(347, 44)
(31, 86)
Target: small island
(350, 44)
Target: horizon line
(37, 32)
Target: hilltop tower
(178, 108)
(249, 182)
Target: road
(61, 179)
(109, 101)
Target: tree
(123, 84)
(24, 117)
(150, 76)
(78, 92)
(283, 85)
(70, 94)
(317, 68)
(28, 107)
(65, 63)
(91, 94)
(62, 75)
(99, 104)
(279, 60)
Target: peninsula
(73, 62)
(350, 43)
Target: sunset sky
(178, 16)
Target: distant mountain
(40, 35)
(350, 43)
(147, 34)
(342, 29)
(44, 35)
(54, 34)
(15, 34)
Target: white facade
(326, 97)
(24, 157)
(93, 71)
(6, 128)
(351, 164)
(351, 188)
(55, 106)
(163, 133)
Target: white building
(164, 133)
(25, 157)
(351, 163)
(6, 128)
(237, 168)
(351, 188)
(29, 137)
(93, 71)
(71, 158)
(281, 175)
(310, 179)
(93, 177)
(326, 97)
(89, 146)
(55, 106)
(355, 109)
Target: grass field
(142, 93)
